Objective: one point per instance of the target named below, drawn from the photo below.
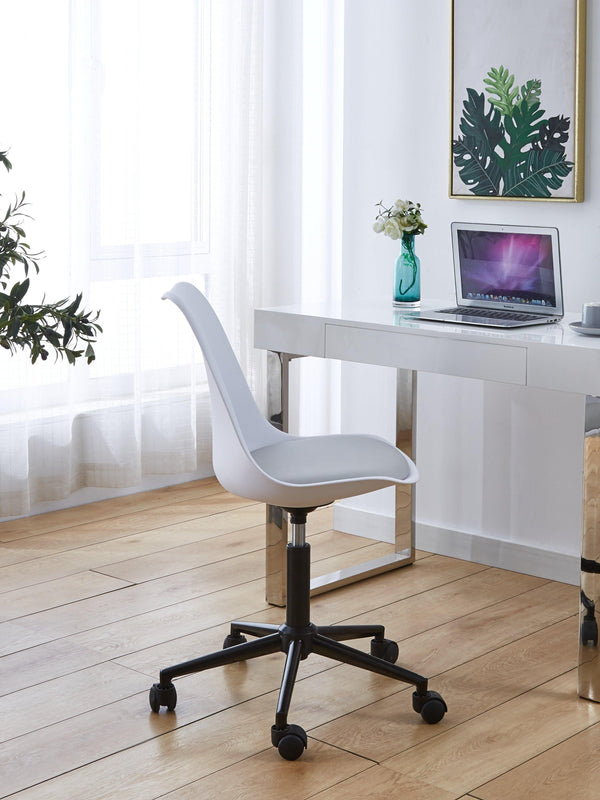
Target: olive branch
(61, 326)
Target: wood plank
(105, 509)
(263, 777)
(52, 594)
(210, 550)
(501, 739)
(12, 554)
(47, 625)
(458, 598)
(372, 593)
(209, 513)
(151, 658)
(379, 731)
(179, 559)
(47, 659)
(104, 553)
(65, 697)
(97, 748)
(144, 630)
(117, 639)
(502, 623)
(103, 610)
(380, 783)
(58, 565)
(28, 667)
(83, 615)
(570, 770)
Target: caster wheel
(430, 706)
(385, 649)
(232, 639)
(163, 697)
(290, 741)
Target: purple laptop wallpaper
(507, 267)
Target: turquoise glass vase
(407, 274)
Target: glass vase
(407, 274)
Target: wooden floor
(96, 599)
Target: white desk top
(546, 356)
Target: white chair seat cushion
(329, 459)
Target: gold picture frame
(517, 114)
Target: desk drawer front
(289, 333)
(466, 359)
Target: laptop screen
(503, 266)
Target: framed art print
(517, 105)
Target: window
(150, 143)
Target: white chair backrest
(235, 415)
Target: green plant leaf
(477, 166)
(89, 354)
(531, 92)
(499, 85)
(538, 174)
(553, 134)
(484, 128)
(474, 151)
(19, 290)
(61, 325)
(521, 131)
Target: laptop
(506, 276)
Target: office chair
(253, 459)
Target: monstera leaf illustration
(554, 134)
(478, 167)
(510, 149)
(522, 131)
(537, 174)
(474, 151)
(531, 91)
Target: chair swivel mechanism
(253, 459)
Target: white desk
(546, 357)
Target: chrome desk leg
(404, 522)
(278, 371)
(276, 521)
(589, 652)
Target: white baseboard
(468, 546)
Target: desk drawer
(466, 359)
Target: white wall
(496, 461)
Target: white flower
(391, 228)
(406, 224)
(401, 206)
(402, 218)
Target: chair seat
(310, 460)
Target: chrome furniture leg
(276, 526)
(589, 652)
(276, 518)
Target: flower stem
(408, 244)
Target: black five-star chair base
(297, 638)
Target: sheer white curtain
(135, 128)
(197, 140)
(322, 212)
(304, 134)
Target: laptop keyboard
(492, 313)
